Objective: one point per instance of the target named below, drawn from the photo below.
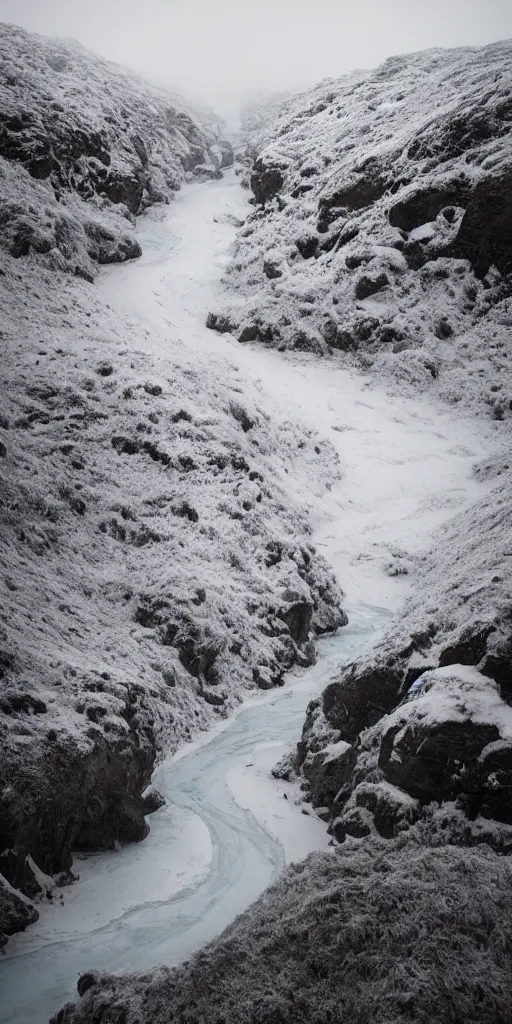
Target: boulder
(152, 800)
(370, 284)
(328, 773)
(267, 179)
(433, 746)
(362, 696)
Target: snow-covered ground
(406, 467)
(406, 462)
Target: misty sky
(220, 51)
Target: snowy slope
(156, 560)
(382, 224)
(382, 238)
(84, 146)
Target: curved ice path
(38, 975)
(406, 467)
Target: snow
(405, 467)
(455, 693)
(176, 856)
(276, 804)
(333, 750)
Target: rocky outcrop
(453, 738)
(16, 913)
(376, 757)
(267, 179)
(84, 799)
(155, 565)
(351, 936)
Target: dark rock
(369, 285)
(198, 653)
(307, 246)
(267, 179)
(249, 333)
(361, 698)
(272, 269)
(469, 649)
(329, 774)
(15, 913)
(3, 450)
(443, 329)
(392, 810)
(493, 783)
(286, 768)
(152, 800)
(485, 233)
(86, 981)
(343, 340)
(330, 332)
(89, 799)
(266, 678)
(298, 617)
(212, 698)
(355, 194)
(424, 205)
(432, 761)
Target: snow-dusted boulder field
(156, 560)
(382, 224)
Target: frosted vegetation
(378, 931)
(381, 224)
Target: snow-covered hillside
(76, 127)
(382, 237)
(156, 558)
(382, 226)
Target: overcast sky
(222, 50)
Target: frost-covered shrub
(375, 932)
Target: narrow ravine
(405, 468)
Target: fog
(221, 51)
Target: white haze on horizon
(221, 52)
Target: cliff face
(156, 561)
(75, 128)
(382, 223)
